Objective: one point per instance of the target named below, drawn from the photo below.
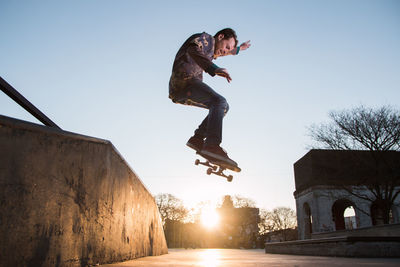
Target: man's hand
(245, 45)
(223, 73)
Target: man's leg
(200, 94)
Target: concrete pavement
(248, 258)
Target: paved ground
(247, 258)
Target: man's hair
(228, 33)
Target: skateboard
(216, 167)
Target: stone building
(330, 182)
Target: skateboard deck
(216, 167)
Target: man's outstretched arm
(223, 72)
(242, 47)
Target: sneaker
(218, 153)
(195, 143)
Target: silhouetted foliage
(171, 208)
(277, 225)
(280, 218)
(359, 128)
(243, 202)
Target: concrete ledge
(376, 230)
(343, 246)
(70, 200)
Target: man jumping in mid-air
(186, 86)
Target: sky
(101, 68)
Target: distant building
(327, 182)
(238, 226)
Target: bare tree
(243, 202)
(360, 128)
(171, 208)
(374, 130)
(283, 218)
(265, 225)
(280, 219)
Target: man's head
(225, 41)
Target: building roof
(345, 167)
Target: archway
(350, 218)
(344, 215)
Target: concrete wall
(374, 247)
(70, 200)
(375, 231)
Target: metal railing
(23, 102)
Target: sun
(209, 217)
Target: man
(186, 86)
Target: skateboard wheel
(230, 177)
(214, 168)
(209, 171)
(196, 162)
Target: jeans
(194, 92)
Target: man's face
(223, 46)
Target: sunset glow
(209, 217)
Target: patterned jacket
(194, 57)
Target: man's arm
(223, 73)
(196, 52)
(243, 46)
(206, 64)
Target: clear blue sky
(101, 68)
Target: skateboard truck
(214, 168)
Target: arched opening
(350, 218)
(307, 221)
(344, 215)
